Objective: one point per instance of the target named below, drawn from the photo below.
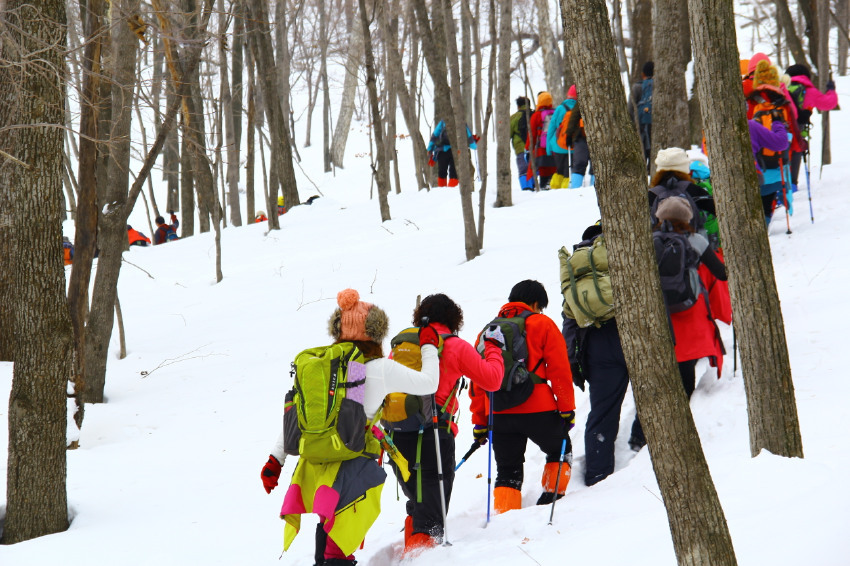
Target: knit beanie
(673, 159)
(765, 74)
(797, 70)
(674, 208)
(544, 99)
(754, 60)
(356, 320)
(572, 92)
(648, 69)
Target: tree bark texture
(382, 171)
(641, 36)
(504, 148)
(700, 534)
(349, 91)
(670, 123)
(32, 95)
(229, 125)
(553, 66)
(758, 317)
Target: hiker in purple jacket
(770, 180)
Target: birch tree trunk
(697, 524)
(32, 94)
(349, 92)
(759, 326)
(504, 148)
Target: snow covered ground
(168, 468)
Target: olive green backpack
(586, 284)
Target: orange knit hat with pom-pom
(357, 320)
(765, 74)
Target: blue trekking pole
(558, 478)
(808, 185)
(489, 454)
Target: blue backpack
(644, 105)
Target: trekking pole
(558, 478)
(489, 454)
(436, 426)
(785, 197)
(808, 184)
(475, 446)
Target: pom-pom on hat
(673, 159)
(765, 74)
(674, 208)
(356, 320)
(544, 99)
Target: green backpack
(586, 284)
(324, 419)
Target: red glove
(431, 161)
(476, 138)
(173, 218)
(270, 473)
(427, 335)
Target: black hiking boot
(547, 497)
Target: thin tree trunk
(466, 86)
(122, 339)
(484, 141)
(249, 143)
(381, 173)
(553, 66)
(824, 72)
(227, 108)
(504, 148)
(786, 22)
(842, 14)
(323, 77)
(641, 36)
(349, 92)
(759, 326)
(697, 524)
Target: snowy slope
(168, 469)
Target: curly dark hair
(439, 308)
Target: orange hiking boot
(550, 477)
(416, 543)
(506, 498)
(408, 529)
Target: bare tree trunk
(483, 143)
(476, 47)
(824, 71)
(784, 19)
(249, 143)
(32, 94)
(187, 182)
(670, 125)
(466, 86)
(349, 92)
(171, 168)
(264, 56)
(641, 36)
(617, 25)
(228, 112)
(697, 523)
(758, 317)
(381, 173)
(323, 77)
(842, 14)
(112, 238)
(504, 148)
(283, 58)
(553, 66)
(406, 101)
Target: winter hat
(544, 99)
(572, 92)
(765, 74)
(648, 69)
(673, 159)
(797, 70)
(356, 320)
(754, 60)
(673, 209)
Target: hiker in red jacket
(538, 131)
(136, 238)
(164, 232)
(545, 418)
(423, 527)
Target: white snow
(168, 468)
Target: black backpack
(518, 381)
(522, 124)
(677, 266)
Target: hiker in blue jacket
(441, 153)
(561, 153)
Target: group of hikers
(163, 234)
(351, 405)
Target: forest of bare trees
(203, 108)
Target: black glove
(830, 84)
(578, 378)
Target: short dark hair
(522, 101)
(159, 220)
(797, 70)
(529, 292)
(649, 68)
(439, 308)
